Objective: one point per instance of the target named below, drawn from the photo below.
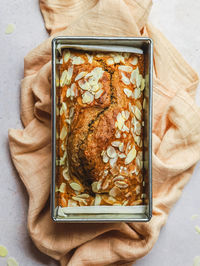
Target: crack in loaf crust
(100, 129)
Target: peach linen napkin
(176, 134)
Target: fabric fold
(176, 134)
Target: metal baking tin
(119, 216)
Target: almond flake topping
(90, 58)
(136, 93)
(121, 184)
(75, 186)
(125, 80)
(125, 68)
(97, 200)
(66, 174)
(134, 61)
(63, 133)
(128, 92)
(142, 84)
(130, 156)
(62, 188)
(87, 97)
(72, 203)
(122, 155)
(134, 76)
(98, 94)
(113, 161)
(94, 187)
(77, 60)
(118, 58)
(138, 114)
(105, 157)
(80, 75)
(66, 56)
(116, 143)
(110, 62)
(111, 152)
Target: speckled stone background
(178, 243)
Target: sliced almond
(68, 121)
(121, 147)
(142, 84)
(114, 171)
(110, 200)
(196, 261)
(118, 58)
(111, 152)
(144, 103)
(125, 68)
(97, 73)
(80, 75)
(137, 113)
(90, 58)
(63, 188)
(134, 61)
(87, 97)
(99, 183)
(125, 80)
(125, 129)
(126, 55)
(116, 143)
(138, 140)
(63, 108)
(63, 133)
(63, 78)
(136, 202)
(105, 184)
(113, 161)
(120, 121)
(66, 174)
(66, 56)
(143, 196)
(122, 155)
(130, 156)
(84, 85)
(72, 203)
(94, 187)
(98, 94)
(97, 200)
(119, 178)
(110, 62)
(3, 251)
(77, 60)
(137, 93)
(121, 184)
(138, 80)
(125, 203)
(117, 135)
(105, 172)
(134, 76)
(79, 200)
(127, 114)
(12, 262)
(128, 92)
(75, 186)
(114, 192)
(105, 157)
(137, 190)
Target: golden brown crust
(100, 129)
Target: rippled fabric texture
(176, 134)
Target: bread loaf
(99, 129)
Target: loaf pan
(108, 213)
